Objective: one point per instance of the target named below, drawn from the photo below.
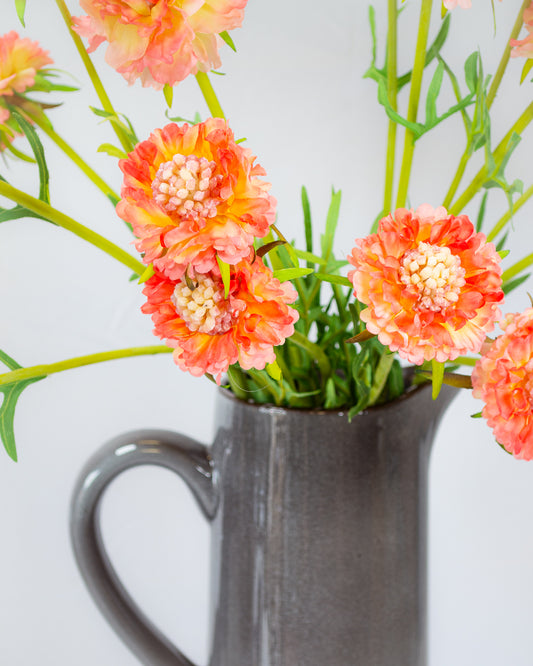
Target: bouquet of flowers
(294, 324)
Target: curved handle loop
(191, 461)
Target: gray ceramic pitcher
(318, 533)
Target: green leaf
(509, 286)
(310, 257)
(227, 38)
(7, 409)
(334, 279)
(472, 71)
(225, 274)
(38, 151)
(526, 69)
(274, 370)
(111, 150)
(503, 253)
(147, 274)
(380, 376)
(168, 92)
(433, 93)
(308, 225)
(20, 6)
(481, 213)
(416, 128)
(284, 274)
(331, 224)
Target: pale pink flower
(503, 379)
(431, 284)
(452, 4)
(192, 194)
(159, 41)
(20, 60)
(524, 47)
(209, 332)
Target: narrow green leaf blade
(38, 151)
(7, 413)
(168, 92)
(284, 274)
(437, 377)
(226, 37)
(225, 274)
(20, 6)
(334, 279)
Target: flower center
(186, 187)
(203, 308)
(436, 273)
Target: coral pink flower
(503, 379)
(159, 41)
(431, 284)
(208, 332)
(524, 47)
(192, 193)
(20, 60)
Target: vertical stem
(506, 54)
(209, 95)
(77, 159)
(392, 90)
(93, 75)
(414, 97)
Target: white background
(295, 90)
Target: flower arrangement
(230, 297)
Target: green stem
(414, 98)
(479, 179)
(209, 95)
(506, 54)
(77, 159)
(517, 268)
(53, 215)
(508, 215)
(392, 92)
(93, 75)
(458, 176)
(44, 370)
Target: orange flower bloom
(159, 41)
(524, 47)
(431, 284)
(208, 332)
(503, 379)
(192, 193)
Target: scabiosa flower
(431, 284)
(159, 41)
(503, 379)
(20, 61)
(524, 47)
(209, 332)
(192, 193)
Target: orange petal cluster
(432, 284)
(192, 194)
(503, 379)
(210, 332)
(159, 41)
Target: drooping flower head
(524, 47)
(503, 379)
(192, 193)
(432, 284)
(159, 41)
(209, 332)
(20, 61)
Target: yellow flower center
(436, 273)
(203, 309)
(186, 187)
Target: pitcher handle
(191, 461)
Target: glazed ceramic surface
(318, 533)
